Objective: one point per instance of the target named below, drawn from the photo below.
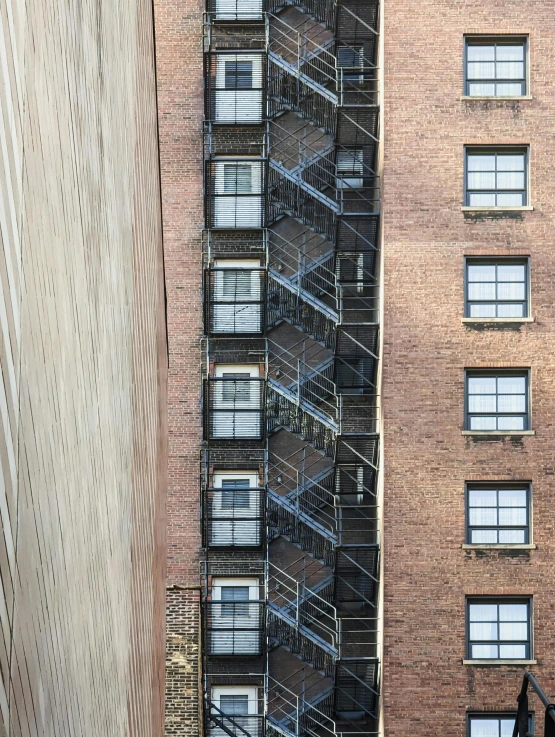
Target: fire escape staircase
(321, 618)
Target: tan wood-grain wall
(83, 361)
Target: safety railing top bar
(304, 152)
(307, 49)
(304, 254)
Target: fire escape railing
(311, 193)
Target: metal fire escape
(303, 315)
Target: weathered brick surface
(181, 109)
(426, 349)
(183, 663)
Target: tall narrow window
(498, 514)
(499, 629)
(235, 510)
(495, 67)
(234, 617)
(236, 402)
(496, 177)
(236, 296)
(497, 401)
(497, 288)
(237, 193)
(238, 89)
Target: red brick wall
(180, 103)
(180, 110)
(427, 689)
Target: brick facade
(427, 574)
(181, 109)
(183, 663)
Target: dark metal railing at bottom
(221, 724)
(521, 722)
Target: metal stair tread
(308, 704)
(294, 176)
(306, 296)
(309, 634)
(292, 69)
(314, 370)
(303, 517)
(309, 593)
(312, 482)
(317, 262)
(303, 404)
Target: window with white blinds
(236, 510)
(238, 89)
(238, 9)
(238, 194)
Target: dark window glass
(498, 513)
(494, 725)
(238, 75)
(497, 402)
(232, 595)
(350, 62)
(498, 629)
(496, 177)
(236, 391)
(235, 705)
(496, 68)
(235, 494)
(496, 289)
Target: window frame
(496, 150)
(500, 261)
(483, 715)
(494, 40)
(498, 373)
(498, 485)
(499, 600)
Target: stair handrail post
(298, 382)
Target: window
(235, 710)
(498, 514)
(496, 288)
(234, 617)
(350, 169)
(237, 9)
(238, 89)
(235, 514)
(494, 725)
(238, 194)
(495, 67)
(499, 629)
(236, 296)
(350, 63)
(496, 177)
(497, 401)
(236, 402)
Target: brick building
(356, 218)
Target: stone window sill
(520, 208)
(500, 662)
(498, 433)
(498, 546)
(494, 320)
(497, 99)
